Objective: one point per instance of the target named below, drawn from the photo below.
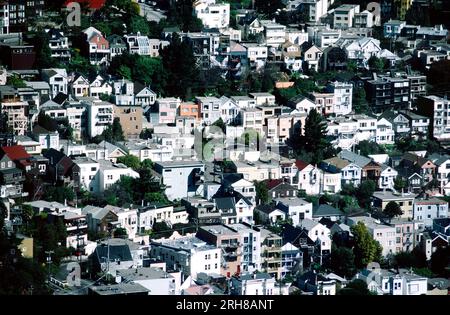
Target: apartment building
(344, 16)
(100, 115)
(437, 109)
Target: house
(274, 33)
(370, 169)
(251, 246)
(256, 54)
(296, 209)
(279, 189)
(308, 177)
(209, 108)
(80, 86)
(387, 177)
(188, 254)
(319, 234)
(291, 259)
(116, 254)
(100, 220)
(311, 56)
(435, 108)
(316, 284)
(99, 86)
(384, 234)
(167, 109)
(227, 239)
(389, 282)
(422, 166)
(269, 214)
(15, 110)
(393, 28)
(442, 173)
(388, 93)
(330, 180)
(60, 166)
(253, 284)
(11, 178)
(291, 55)
(57, 79)
(76, 228)
(344, 16)
(123, 91)
(404, 200)
(314, 9)
(212, 14)
(328, 212)
(234, 209)
(138, 44)
(59, 45)
(153, 213)
(343, 94)
(47, 139)
(98, 176)
(143, 95)
(350, 172)
(117, 45)
(271, 245)
(302, 104)
(157, 281)
(100, 115)
(97, 47)
(181, 179)
(240, 185)
(130, 118)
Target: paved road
(150, 13)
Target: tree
(440, 260)
(15, 81)
(366, 249)
(120, 233)
(262, 192)
(377, 64)
(219, 123)
(41, 42)
(360, 104)
(117, 130)
(46, 122)
(268, 7)
(150, 72)
(392, 209)
(399, 183)
(130, 161)
(356, 287)
(139, 24)
(365, 192)
(59, 194)
(367, 148)
(342, 262)
(181, 67)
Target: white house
(138, 44)
(319, 233)
(343, 94)
(180, 178)
(100, 115)
(57, 79)
(189, 254)
(110, 173)
(153, 213)
(387, 176)
(295, 208)
(253, 284)
(212, 14)
(385, 132)
(80, 86)
(428, 209)
(99, 86)
(251, 246)
(308, 178)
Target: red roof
(16, 152)
(272, 183)
(93, 4)
(300, 164)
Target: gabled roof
(16, 152)
(357, 159)
(325, 210)
(301, 165)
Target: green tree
(262, 192)
(440, 261)
(150, 72)
(377, 64)
(342, 262)
(139, 24)
(360, 104)
(15, 81)
(120, 233)
(220, 123)
(399, 183)
(46, 122)
(181, 67)
(367, 148)
(314, 140)
(125, 72)
(392, 209)
(41, 43)
(365, 192)
(130, 161)
(59, 194)
(117, 130)
(356, 287)
(366, 249)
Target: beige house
(130, 119)
(404, 200)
